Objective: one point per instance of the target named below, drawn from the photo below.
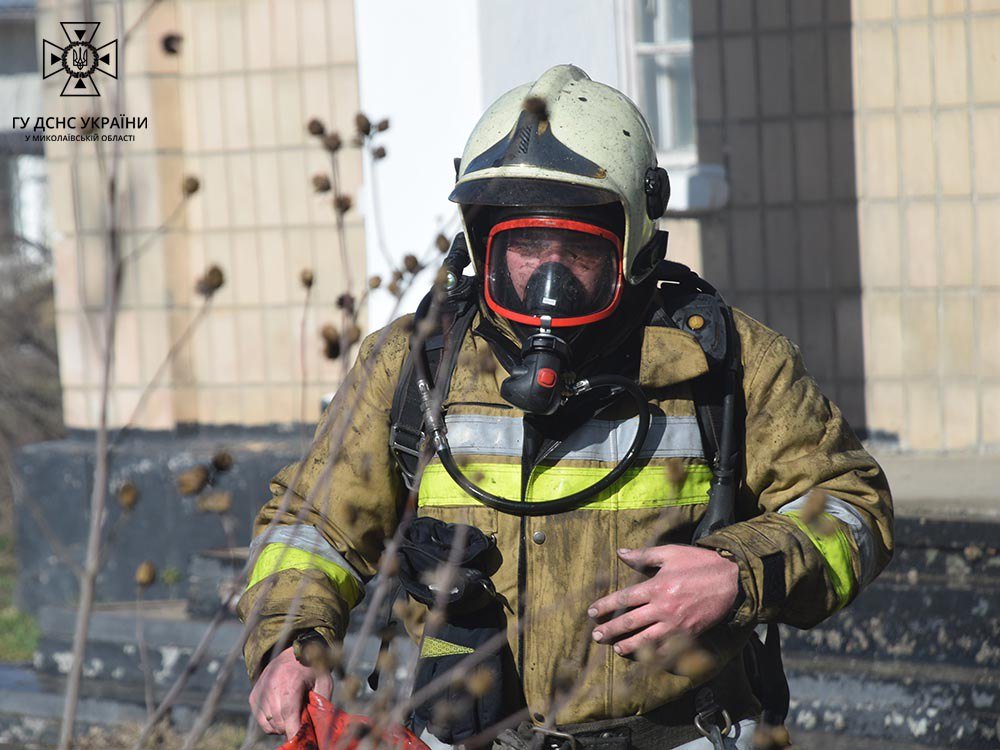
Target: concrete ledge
(944, 485)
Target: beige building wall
(862, 143)
(927, 98)
(230, 109)
(774, 106)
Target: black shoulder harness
(687, 302)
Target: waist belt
(668, 726)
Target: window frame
(630, 50)
(696, 187)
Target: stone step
(31, 711)
(893, 702)
(113, 659)
(934, 622)
(113, 667)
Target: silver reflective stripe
(863, 535)
(305, 538)
(597, 440)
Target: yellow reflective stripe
(277, 557)
(432, 647)
(836, 553)
(647, 487)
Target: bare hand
(693, 590)
(279, 694)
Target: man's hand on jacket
(280, 692)
(693, 590)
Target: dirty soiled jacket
(791, 570)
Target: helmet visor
(568, 271)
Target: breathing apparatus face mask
(552, 273)
(550, 276)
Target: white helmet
(567, 141)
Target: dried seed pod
(128, 496)
(307, 278)
(676, 472)
(352, 335)
(215, 502)
(331, 350)
(316, 127)
(222, 461)
(329, 332)
(410, 263)
(813, 507)
(444, 713)
(332, 142)
(145, 574)
(190, 185)
(374, 282)
(321, 183)
(192, 481)
(362, 123)
(345, 302)
(171, 43)
(331, 341)
(695, 663)
(171, 576)
(767, 737)
(397, 275)
(442, 243)
(316, 654)
(342, 204)
(350, 686)
(383, 125)
(537, 106)
(378, 153)
(211, 282)
(395, 288)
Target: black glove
(472, 699)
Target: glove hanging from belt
(472, 699)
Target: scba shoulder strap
(690, 303)
(455, 313)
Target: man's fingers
(291, 709)
(651, 636)
(324, 686)
(263, 716)
(626, 623)
(643, 559)
(632, 596)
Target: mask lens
(564, 273)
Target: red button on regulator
(547, 377)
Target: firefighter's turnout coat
(792, 570)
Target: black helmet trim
(529, 191)
(531, 142)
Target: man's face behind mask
(565, 270)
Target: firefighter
(651, 464)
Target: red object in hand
(326, 727)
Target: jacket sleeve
(333, 511)
(823, 523)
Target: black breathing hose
(435, 422)
(576, 499)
